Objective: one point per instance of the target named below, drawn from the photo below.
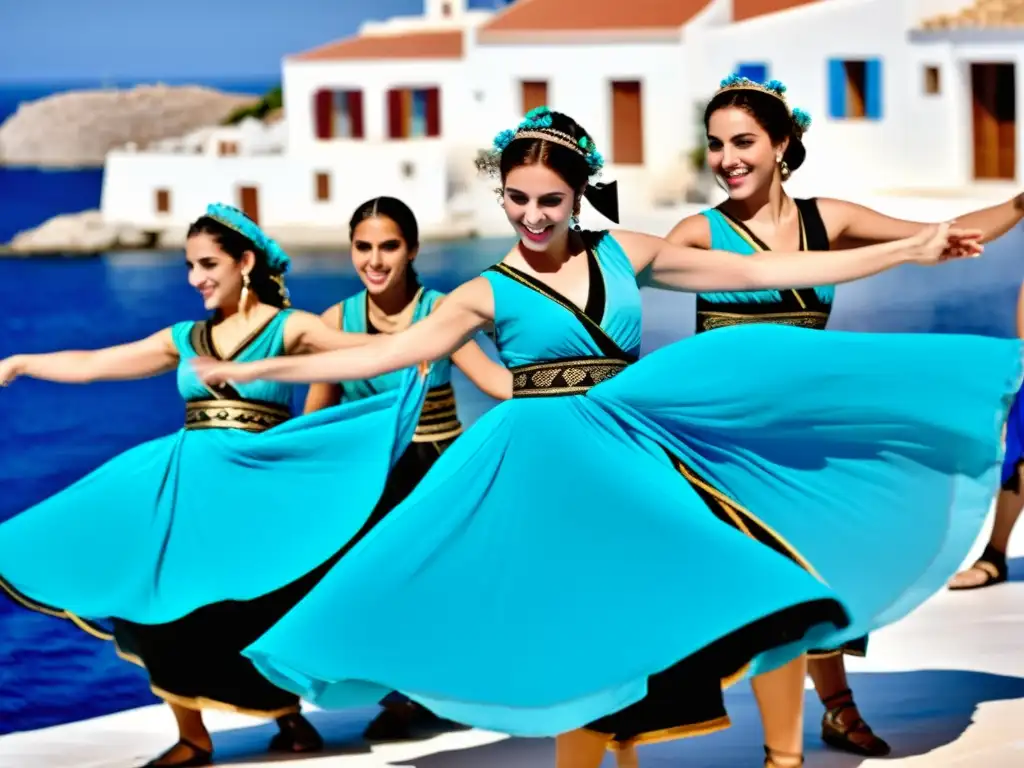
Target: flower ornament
(277, 260)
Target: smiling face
(740, 152)
(380, 254)
(539, 205)
(213, 273)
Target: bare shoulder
(475, 296)
(693, 231)
(332, 315)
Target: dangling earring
(243, 300)
(574, 220)
(783, 167)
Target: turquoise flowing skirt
(554, 558)
(203, 516)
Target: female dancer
(755, 142)
(990, 568)
(385, 240)
(193, 543)
(606, 484)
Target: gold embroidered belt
(708, 321)
(572, 376)
(234, 414)
(438, 419)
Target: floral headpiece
(537, 125)
(775, 88)
(277, 260)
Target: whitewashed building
(904, 94)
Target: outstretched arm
(466, 310)
(306, 334)
(151, 356)
(662, 265)
(491, 378)
(323, 395)
(857, 222)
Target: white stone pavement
(945, 686)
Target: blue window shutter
(756, 72)
(836, 89)
(873, 89)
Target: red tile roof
(593, 15)
(406, 45)
(750, 9)
(980, 14)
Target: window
(414, 113)
(163, 201)
(855, 89)
(408, 170)
(227, 148)
(534, 94)
(338, 114)
(446, 9)
(932, 83)
(756, 72)
(323, 186)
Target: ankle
(843, 698)
(774, 758)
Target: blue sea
(30, 196)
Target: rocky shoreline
(77, 129)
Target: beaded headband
(775, 88)
(537, 125)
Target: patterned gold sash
(438, 419)
(572, 376)
(234, 414)
(709, 320)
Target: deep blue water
(51, 434)
(30, 196)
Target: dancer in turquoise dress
(755, 143)
(385, 240)
(193, 544)
(727, 519)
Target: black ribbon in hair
(605, 199)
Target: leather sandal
(857, 738)
(992, 564)
(199, 757)
(296, 735)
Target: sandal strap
(197, 753)
(842, 698)
(989, 569)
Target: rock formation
(78, 128)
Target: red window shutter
(323, 114)
(395, 113)
(355, 113)
(433, 112)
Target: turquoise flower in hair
(537, 112)
(595, 160)
(733, 79)
(777, 86)
(503, 139)
(801, 118)
(277, 260)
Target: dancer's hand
(10, 369)
(213, 372)
(941, 242)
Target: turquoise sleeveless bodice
(439, 419)
(805, 307)
(533, 323)
(252, 405)
(354, 320)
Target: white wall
(286, 183)
(579, 81)
(302, 79)
(797, 44)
